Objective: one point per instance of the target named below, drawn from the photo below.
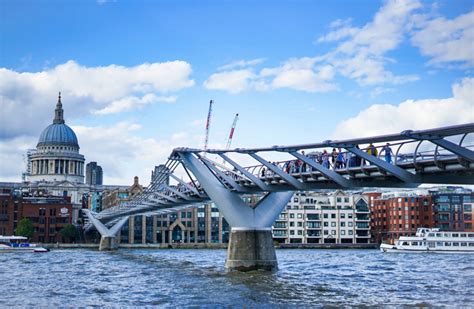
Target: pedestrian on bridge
(388, 153)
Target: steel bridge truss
(435, 156)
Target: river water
(178, 277)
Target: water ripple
(169, 278)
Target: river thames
(179, 277)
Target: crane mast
(208, 124)
(232, 129)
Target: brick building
(49, 214)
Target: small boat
(433, 240)
(18, 244)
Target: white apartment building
(335, 218)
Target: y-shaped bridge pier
(404, 160)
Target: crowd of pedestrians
(336, 159)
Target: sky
(136, 77)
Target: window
(326, 232)
(333, 232)
(351, 232)
(349, 216)
(300, 224)
(333, 216)
(455, 244)
(333, 224)
(292, 224)
(343, 232)
(300, 232)
(343, 224)
(326, 223)
(300, 216)
(292, 216)
(325, 216)
(346, 200)
(349, 224)
(467, 208)
(292, 232)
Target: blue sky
(137, 76)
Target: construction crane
(232, 129)
(208, 124)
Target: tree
(68, 232)
(25, 228)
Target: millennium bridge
(227, 177)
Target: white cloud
(84, 89)
(360, 52)
(12, 161)
(232, 81)
(297, 73)
(446, 40)
(241, 64)
(415, 115)
(133, 102)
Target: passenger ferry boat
(18, 244)
(433, 240)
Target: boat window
(455, 244)
(471, 244)
(446, 235)
(439, 244)
(405, 243)
(414, 243)
(464, 244)
(447, 243)
(431, 235)
(471, 235)
(462, 235)
(431, 244)
(455, 235)
(438, 235)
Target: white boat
(433, 240)
(18, 244)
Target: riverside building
(324, 218)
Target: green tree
(25, 228)
(68, 232)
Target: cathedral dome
(58, 133)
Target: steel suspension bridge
(435, 156)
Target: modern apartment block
(324, 218)
(398, 214)
(452, 208)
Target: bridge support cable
(286, 177)
(186, 185)
(176, 192)
(392, 169)
(263, 186)
(462, 152)
(230, 182)
(331, 175)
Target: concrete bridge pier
(251, 249)
(251, 244)
(108, 236)
(108, 243)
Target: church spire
(58, 112)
